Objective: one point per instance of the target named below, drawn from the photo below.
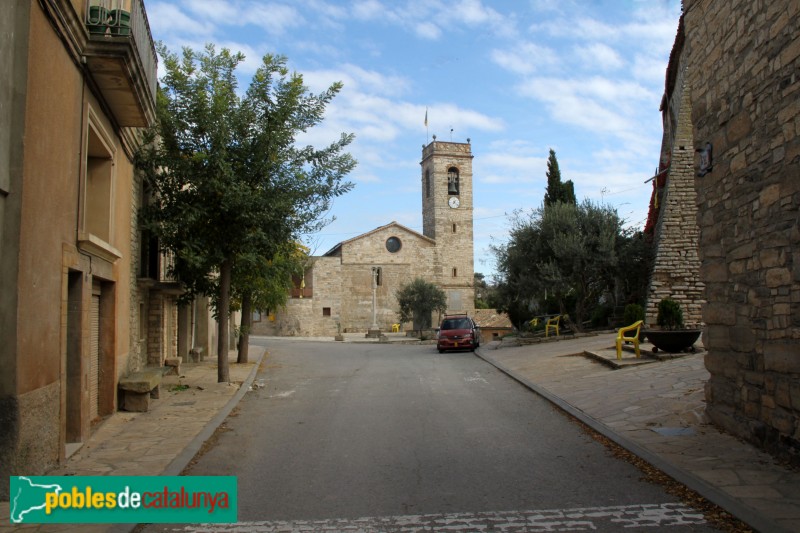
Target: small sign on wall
(706, 161)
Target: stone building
(744, 72)
(337, 287)
(672, 221)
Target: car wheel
(440, 350)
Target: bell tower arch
(447, 218)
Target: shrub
(670, 315)
(600, 315)
(632, 313)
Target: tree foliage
(557, 191)
(230, 185)
(565, 251)
(485, 294)
(264, 285)
(418, 299)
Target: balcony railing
(115, 23)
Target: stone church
(336, 292)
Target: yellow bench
(552, 323)
(395, 328)
(635, 327)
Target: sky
(516, 77)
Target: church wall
(303, 317)
(416, 258)
(339, 290)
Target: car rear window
(456, 323)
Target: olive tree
(418, 300)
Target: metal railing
(126, 18)
(167, 265)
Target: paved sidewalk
(657, 411)
(161, 441)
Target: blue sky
(517, 77)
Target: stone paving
(615, 518)
(159, 442)
(654, 408)
(657, 410)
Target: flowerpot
(120, 22)
(97, 21)
(674, 341)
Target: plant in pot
(673, 336)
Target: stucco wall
(14, 28)
(54, 273)
(49, 213)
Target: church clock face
(453, 202)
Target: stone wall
(744, 62)
(339, 292)
(676, 264)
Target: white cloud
(524, 58)
(276, 19)
(215, 9)
(356, 80)
(598, 105)
(599, 55)
(473, 13)
(168, 19)
(367, 9)
(427, 30)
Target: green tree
(418, 300)
(565, 252)
(264, 285)
(557, 191)
(231, 187)
(635, 252)
(484, 292)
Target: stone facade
(676, 264)
(338, 285)
(744, 65)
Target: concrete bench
(139, 387)
(172, 366)
(196, 354)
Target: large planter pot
(677, 340)
(97, 21)
(120, 22)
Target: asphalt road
(418, 440)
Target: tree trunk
(244, 330)
(223, 376)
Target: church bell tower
(447, 219)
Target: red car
(458, 332)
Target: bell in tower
(452, 180)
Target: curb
(755, 520)
(182, 459)
(187, 454)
